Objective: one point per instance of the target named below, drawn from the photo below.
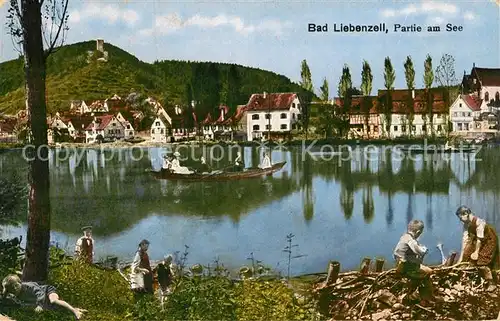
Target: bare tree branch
(61, 25)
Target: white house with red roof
(484, 83)
(274, 113)
(106, 128)
(470, 115)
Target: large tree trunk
(38, 235)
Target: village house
(275, 113)
(76, 127)
(362, 124)
(104, 128)
(129, 131)
(7, 128)
(484, 83)
(159, 131)
(471, 117)
(79, 107)
(420, 125)
(98, 106)
(237, 124)
(184, 125)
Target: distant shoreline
(316, 142)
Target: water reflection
(344, 202)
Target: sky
(273, 35)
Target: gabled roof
(236, 117)
(357, 103)
(80, 123)
(487, 76)
(472, 101)
(420, 94)
(273, 101)
(102, 121)
(208, 119)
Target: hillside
(71, 76)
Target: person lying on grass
(44, 296)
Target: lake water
(337, 209)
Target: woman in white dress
(176, 165)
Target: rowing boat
(436, 150)
(219, 175)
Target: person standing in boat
(204, 167)
(238, 162)
(176, 165)
(266, 162)
(479, 245)
(84, 248)
(141, 276)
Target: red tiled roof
(473, 101)
(240, 110)
(487, 76)
(402, 94)
(356, 104)
(103, 122)
(273, 101)
(80, 123)
(208, 119)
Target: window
(299, 116)
(128, 126)
(487, 97)
(403, 129)
(459, 126)
(283, 126)
(256, 127)
(283, 116)
(268, 116)
(463, 114)
(375, 129)
(466, 126)
(478, 125)
(460, 105)
(424, 128)
(474, 81)
(413, 128)
(268, 127)
(293, 105)
(114, 124)
(468, 114)
(438, 116)
(455, 114)
(157, 123)
(255, 117)
(497, 96)
(161, 131)
(439, 128)
(395, 128)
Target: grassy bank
(209, 295)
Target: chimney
(413, 93)
(473, 65)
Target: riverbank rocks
(385, 296)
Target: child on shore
(479, 245)
(409, 255)
(43, 296)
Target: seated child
(409, 255)
(44, 296)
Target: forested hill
(74, 73)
